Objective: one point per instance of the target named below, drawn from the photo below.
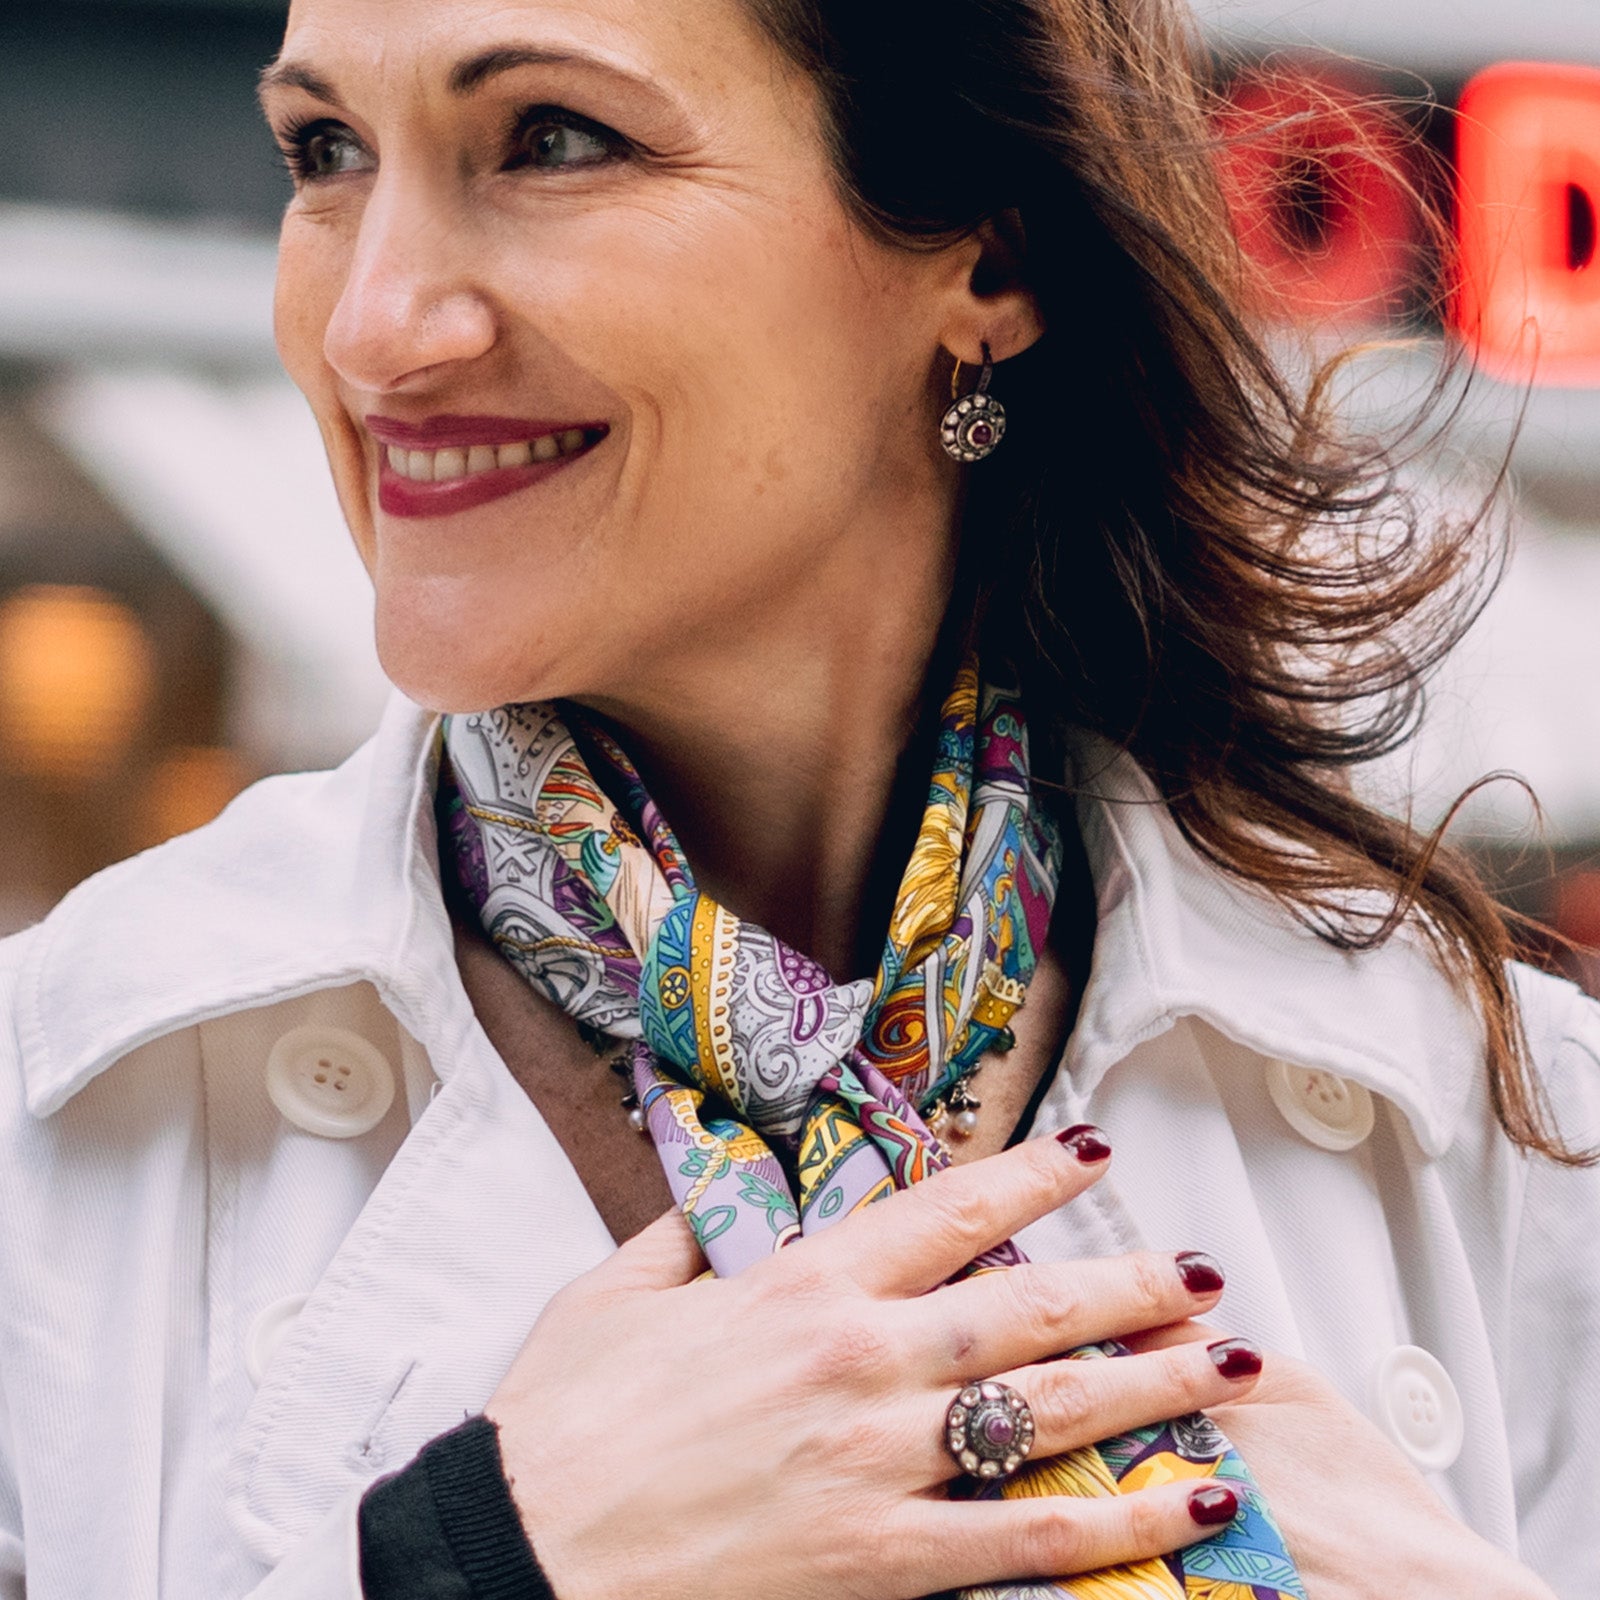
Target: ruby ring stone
(988, 1430)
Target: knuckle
(1038, 1304)
(850, 1349)
(793, 1277)
(1056, 1539)
(960, 1213)
(1152, 1283)
(1192, 1377)
(1148, 1519)
(1046, 1171)
(1069, 1402)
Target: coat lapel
(476, 1223)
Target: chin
(462, 668)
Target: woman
(632, 328)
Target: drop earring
(975, 423)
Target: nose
(410, 304)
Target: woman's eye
(324, 150)
(548, 141)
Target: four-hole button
(1417, 1405)
(1329, 1111)
(330, 1081)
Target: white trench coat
(273, 1212)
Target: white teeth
(445, 466)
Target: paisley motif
(779, 1100)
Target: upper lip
(461, 432)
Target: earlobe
(997, 305)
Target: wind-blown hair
(1180, 549)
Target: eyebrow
(466, 77)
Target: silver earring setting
(975, 423)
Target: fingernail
(1200, 1273)
(1214, 1505)
(1235, 1358)
(1086, 1142)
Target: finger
(996, 1320)
(662, 1256)
(955, 1544)
(1080, 1402)
(918, 1238)
(1168, 1335)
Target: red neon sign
(1315, 170)
(1528, 171)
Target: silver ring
(988, 1430)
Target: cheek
(312, 266)
(311, 269)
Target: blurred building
(180, 610)
(179, 606)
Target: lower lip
(400, 496)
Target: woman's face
(608, 377)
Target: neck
(792, 759)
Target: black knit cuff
(446, 1527)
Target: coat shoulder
(300, 878)
(1562, 1025)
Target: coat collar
(315, 881)
(1178, 937)
(306, 882)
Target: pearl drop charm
(636, 1119)
(966, 1123)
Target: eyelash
(296, 138)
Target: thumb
(662, 1256)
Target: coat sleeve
(325, 1565)
(443, 1528)
(1552, 1377)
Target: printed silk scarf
(779, 1100)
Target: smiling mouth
(449, 465)
(455, 464)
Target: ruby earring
(975, 423)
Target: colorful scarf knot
(780, 1100)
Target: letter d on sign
(1528, 162)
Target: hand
(1359, 1519)
(780, 1433)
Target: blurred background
(180, 609)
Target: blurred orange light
(187, 790)
(77, 673)
(1528, 300)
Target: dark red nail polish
(1214, 1505)
(1086, 1142)
(1200, 1272)
(1235, 1358)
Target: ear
(991, 302)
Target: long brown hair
(1181, 548)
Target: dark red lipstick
(450, 464)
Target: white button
(1416, 1404)
(1332, 1112)
(267, 1334)
(330, 1081)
